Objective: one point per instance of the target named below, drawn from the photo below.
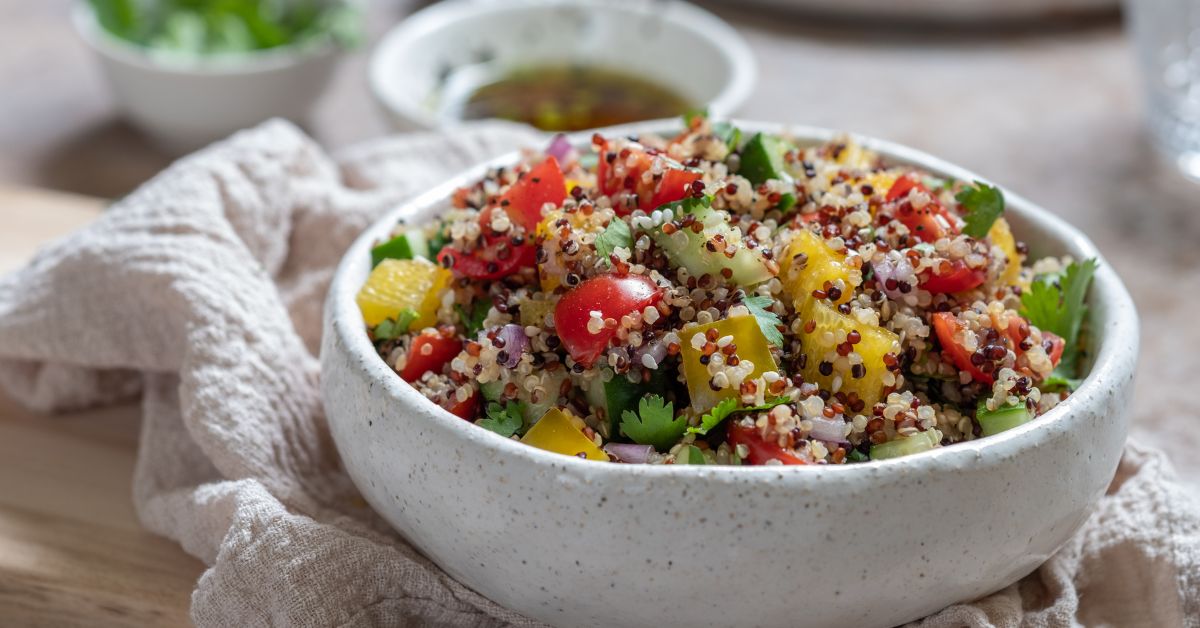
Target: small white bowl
(184, 103)
(580, 543)
(669, 42)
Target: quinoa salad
(720, 297)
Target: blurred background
(1092, 114)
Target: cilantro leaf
(472, 321)
(1057, 306)
(767, 320)
(504, 420)
(693, 455)
(1057, 381)
(984, 204)
(727, 407)
(615, 235)
(392, 328)
(654, 423)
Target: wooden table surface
(1051, 112)
(71, 550)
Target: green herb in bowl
(206, 27)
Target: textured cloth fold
(202, 292)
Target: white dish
(579, 543)
(184, 103)
(945, 10)
(688, 49)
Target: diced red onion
(828, 430)
(657, 350)
(892, 267)
(628, 452)
(560, 148)
(515, 343)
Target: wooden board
(71, 550)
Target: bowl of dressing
(559, 65)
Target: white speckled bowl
(579, 543)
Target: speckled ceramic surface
(579, 543)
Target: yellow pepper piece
(810, 263)
(752, 350)
(562, 433)
(830, 328)
(855, 156)
(398, 284)
(1001, 235)
(533, 312)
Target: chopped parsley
(984, 204)
(768, 321)
(728, 406)
(1056, 304)
(654, 423)
(472, 321)
(393, 328)
(615, 235)
(504, 420)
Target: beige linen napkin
(202, 292)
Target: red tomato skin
(959, 279)
(444, 346)
(475, 265)
(760, 451)
(946, 325)
(524, 199)
(922, 223)
(675, 186)
(1057, 345)
(613, 297)
(466, 409)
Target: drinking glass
(1166, 39)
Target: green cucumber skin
(1001, 419)
(762, 159)
(408, 245)
(915, 444)
(688, 250)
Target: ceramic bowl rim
(1113, 362)
(717, 33)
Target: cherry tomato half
(675, 186)
(760, 451)
(431, 350)
(672, 186)
(611, 296)
(926, 224)
(1018, 329)
(946, 325)
(960, 279)
(524, 199)
(496, 260)
(465, 409)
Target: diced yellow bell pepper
(830, 328)
(810, 263)
(752, 350)
(533, 312)
(1001, 235)
(562, 433)
(398, 284)
(855, 156)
